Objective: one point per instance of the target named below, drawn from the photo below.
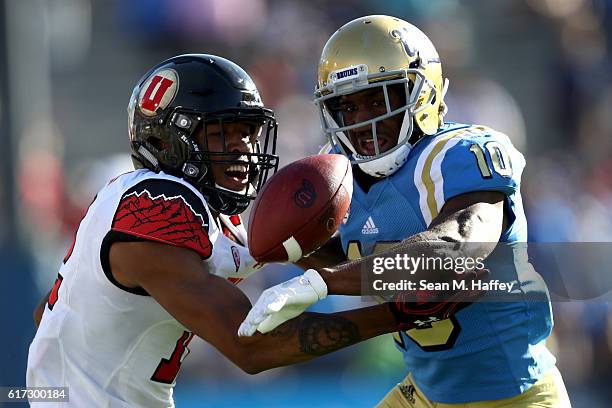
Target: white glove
(283, 302)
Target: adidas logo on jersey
(369, 227)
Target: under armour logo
(408, 392)
(426, 324)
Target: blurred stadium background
(538, 70)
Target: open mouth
(237, 173)
(366, 147)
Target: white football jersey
(115, 346)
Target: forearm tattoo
(322, 334)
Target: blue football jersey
(488, 350)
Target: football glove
(421, 309)
(283, 302)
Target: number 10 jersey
(490, 349)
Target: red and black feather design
(168, 219)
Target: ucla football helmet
(389, 54)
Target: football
(300, 208)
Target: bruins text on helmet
(185, 95)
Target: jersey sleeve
(481, 162)
(468, 160)
(164, 211)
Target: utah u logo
(158, 92)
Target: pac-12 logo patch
(158, 92)
(236, 256)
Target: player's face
(234, 137)
(365, 105)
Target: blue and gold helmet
(384, 53)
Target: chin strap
(388, 164)
(226, 201)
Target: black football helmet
(178, 97)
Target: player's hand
(432, 306)
(283, 302)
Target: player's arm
(38, 312)
(213, 308)
(468, 204)
(478, 217)
(476, 175)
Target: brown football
(300, 208)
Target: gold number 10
(499, 158)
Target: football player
(154, 256)
(419, 180)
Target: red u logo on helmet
(158, 92)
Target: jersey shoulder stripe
(427, 176)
